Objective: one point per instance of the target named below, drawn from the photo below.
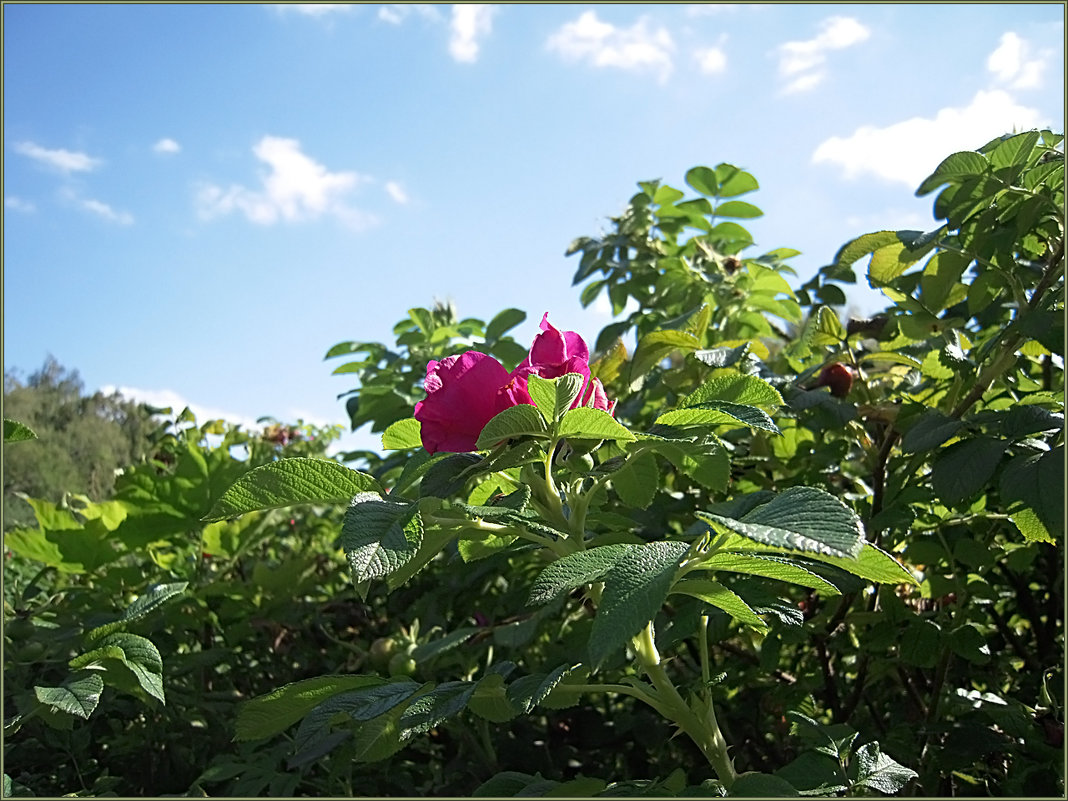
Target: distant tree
(82, 439)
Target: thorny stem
(704, 731)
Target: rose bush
(465, 391)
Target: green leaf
(441, 703)
(888, 262)
(379, 535)
(1031, 527)
(515, 421)
(147, 603)
(273, 713)
(702, 179)
(575, 570)
(761, 785)
(714, 593)
(554, 396)
(863, 245)
(637, 480)
(966, 467)
(717, 413)
(873, 564)
(402, 435)
(1014, 151)
(588, 423)
(968, 642)
(15, 431)
(136, 653)
(78, 697)
(502, 322)
(1038, 483)
(733, 181)
(289, 482)
(954, 169)
(528, 691)
(874, 770)
(634, 590)
(930, 430)
(655, 346)
(799, 519)
(490, 700)
(770, 567)
(739, 209)
(734, 387)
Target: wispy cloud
(469, 25)
(164, 398)
(98, 208)
(711, 60)
(1015, 64)
(312, 9)
(167, 146)
(66, 161)
(18, 204)
(908, 151)
(802, 63)
(601, 44)
(396, 192)
(396, 13)
(297, 188)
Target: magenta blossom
(556, 353)
(463, 393)
(466, 391)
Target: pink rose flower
(463, 393)
(466, 391)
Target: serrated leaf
(515, 421)
(930, 430)
(770, 567)
(717, 413)
(637, 481)
(140, 656)
(575, 570)
(270, 714)
(1031, 527)
(863, 245)
(490, 700)
(15, 431)
(966, 467)
(441, 703)
(714, 593)
(526, 692)
(799, 519)
(1038, 483)
(873, 769)
(153, 598)
(78, 697)
(379, 535)
(654, 347)
(290, 482)
(873, 564)
(734, 387)
(587, 423)
(402, 435)
(634, 590)
(554, 396)
(953, 169)
(722, 357)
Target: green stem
(704, 732)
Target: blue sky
(200, 200)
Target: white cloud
(396, 191)
(166, 146)
(396, 13)
(312, 9)
(469, 24)
(96, 207)
(604, 45)
(168, 397)
(18, 204)
(1012, 65)
(296, 188)
(62, 160)
(908, 151)
(711, 60)
(802, 62)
